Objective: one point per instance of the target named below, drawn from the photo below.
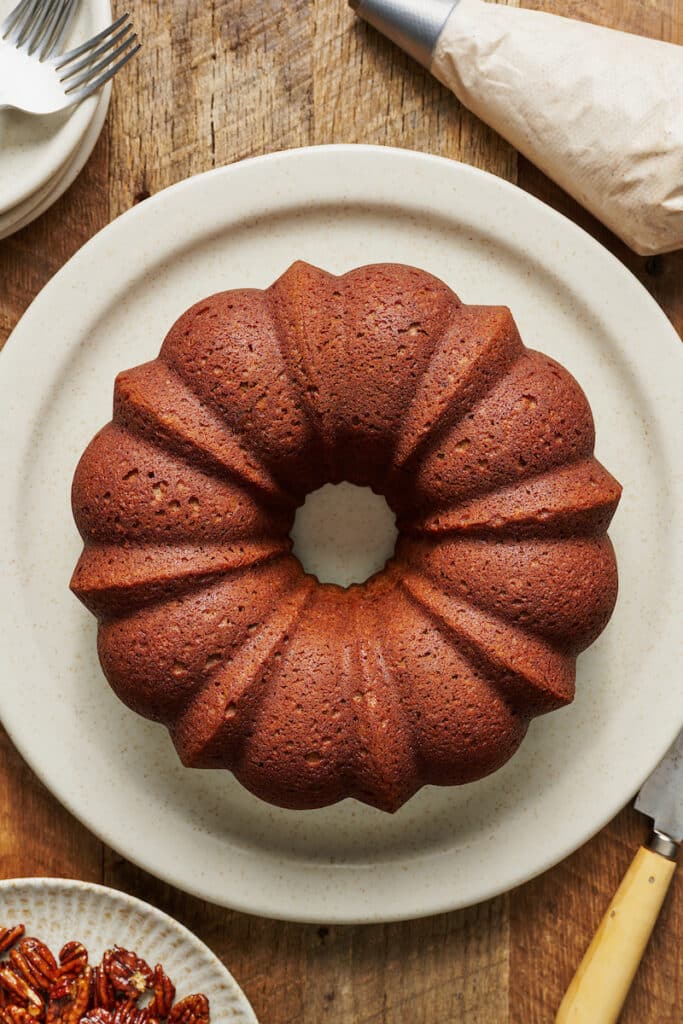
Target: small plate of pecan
(77, 953)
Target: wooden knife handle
(600, 985)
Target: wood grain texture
(219, 81)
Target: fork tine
(90, 58)
(10, 19)
(95, 69)
(63, 26)
(103, 79)
(35, 36)
(59, 24)
(90, 43)
(23, 23)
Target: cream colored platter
(110, 307)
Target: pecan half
(190, 1010)
(102, 994)
(8, 936)
(129, 1013)
(21, 990)
(16, 1015)
(73, 958)
(35, 963)
(69, 999)
(98, 1016)
(164, 994)
(128, 973)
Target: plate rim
(108, 892)
(141, 209)
(265, 905)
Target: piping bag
(599, 111)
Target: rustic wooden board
(218, 81)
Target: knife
(600, 985)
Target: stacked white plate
(40, 157)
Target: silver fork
(36, 78)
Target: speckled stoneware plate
(110, 307)
(58, 910)
(33, 150)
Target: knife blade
(603, 979)
(661, 797)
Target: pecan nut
(16, 1015)
(190, 1010)
(129, 974)
(21, 990)
(35, 988)
(69, 999)
(164, 994)
(73, 958)
(35, 963)
(102, 994)
(8, 936)
(129, 1013)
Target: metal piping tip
(414, 25)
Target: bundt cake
(431, 670)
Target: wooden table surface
(218, 81)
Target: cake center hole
(344, 534)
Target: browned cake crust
(430, 671)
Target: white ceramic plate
(36, 204)
(110, 307)
(58, 910)
(34, 149)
